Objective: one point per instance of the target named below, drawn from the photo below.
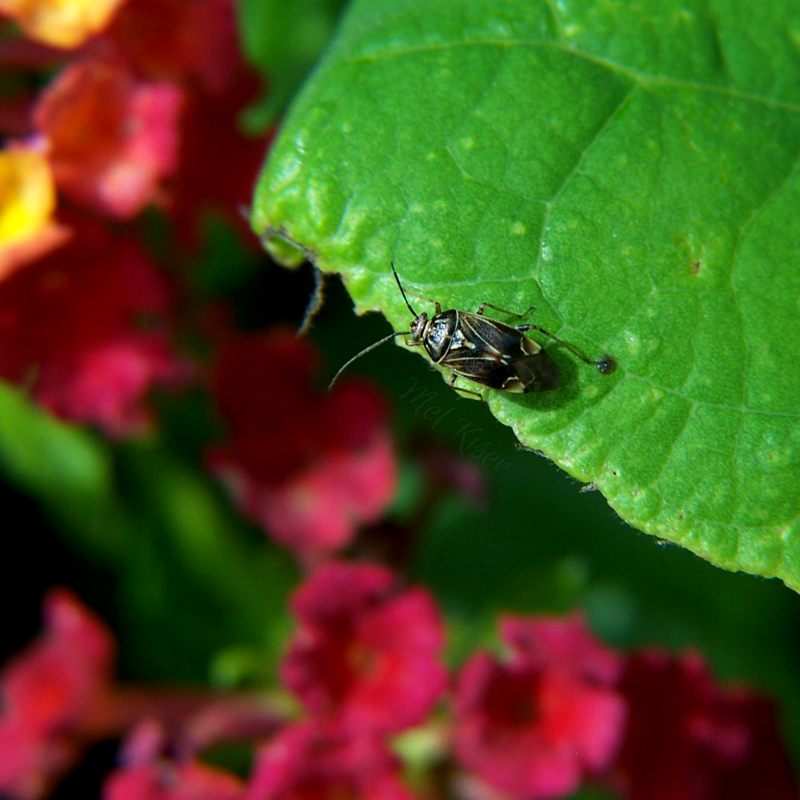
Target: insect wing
(535, 373)
(479, 336)
(481, 351)
(486, 372)
(499, 356)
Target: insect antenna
(364, 352)
(402, 291)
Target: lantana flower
(194, 47)
(49, 692)
(192, 43)
(27, 204)
(314, 760)
(308, 466)
(61, 23)
(536, 723)
(112, 138)
(367, 654)
(87, 330)
(145, 773)
(690, 737)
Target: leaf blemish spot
(633, 342)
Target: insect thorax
(438, 334)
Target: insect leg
(452, 384)
(419, 296)
(524, 314)
(605, 364)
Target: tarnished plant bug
(483, 350)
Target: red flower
(180, 41)
(308, 760)
(535, 724)
(308, 467)
(562, 643)
(112, 138)
(147, 775)
(366, 654)
(211, 134)
(194, 45)
(190, 780)
(690, 739)
(48, 691)
(71, 328)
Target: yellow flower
(61, 23)
(27, 203)
(27, 194)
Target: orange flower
(27, 202)
(112, 138)
(61, 23)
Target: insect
(484, 350)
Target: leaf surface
(632, 171)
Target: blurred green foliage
(284, 39)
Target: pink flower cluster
(556, 710)
(365, 662)
(537, 722)
(308, 466)
(49, 692)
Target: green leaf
(631, 170)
